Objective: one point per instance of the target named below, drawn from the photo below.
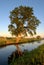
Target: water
(6, 51)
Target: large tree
(22, 20)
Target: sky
(8, 5)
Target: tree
(38, 37)
(22, 20)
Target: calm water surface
(6, 51)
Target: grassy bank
(9, 41)
(35, 57)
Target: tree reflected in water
(16, 54)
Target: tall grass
(5, 41)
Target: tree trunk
(18, 49)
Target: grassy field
(34, 57)
(9, 41)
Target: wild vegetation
(22, 20)
(34, 57)
(9, 41)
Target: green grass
(34, 57)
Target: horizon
(8, 5)
(28, 35)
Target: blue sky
(7, 5)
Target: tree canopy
(23, 20)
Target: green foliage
(35, 57)
(22, 20)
